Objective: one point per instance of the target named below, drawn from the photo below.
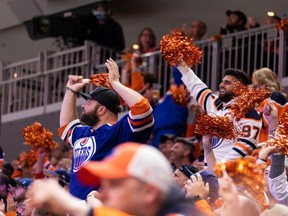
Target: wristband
(71, 90)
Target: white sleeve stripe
(141, 128)
(68, 127)
(141, 115)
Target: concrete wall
(161, 15)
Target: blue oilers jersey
(89, 144)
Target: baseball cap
(24, 182)
(64, 175)
(239, 13)
(212, 180)
(130, 159)
(105, 96)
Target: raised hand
(270, 113)
(195, 186)
(76, 83)
(113, 70)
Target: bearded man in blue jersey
(103, 131)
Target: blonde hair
(267, 77)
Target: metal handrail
(39, 82)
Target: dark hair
(7, 169)
(166, 137)
(106, 5)
(153, 37)
(241, 76)
(43, 212)
(188, 143)
(149, 78)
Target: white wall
(15, 44)
(161, 15)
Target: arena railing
(36, 86)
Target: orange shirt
(105, 211)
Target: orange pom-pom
(101, 79)
(245, 173)
(37, 136)
(176, 47)
(28, 158)
(248, 98)
(282, 25)
(180, 95)
(281, 135)
(220, 126)
(238, 88)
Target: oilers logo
(84, 149)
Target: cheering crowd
(193, 152)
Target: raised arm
(49, 193)
(278, 184)
(208, 152)
(198, 89)
(130, 96)
(68, 111)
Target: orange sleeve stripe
(61, 130)
(104, 211)
(202, 97)
(140, 107)
(133, 123)
(242, 146)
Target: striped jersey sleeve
(66, 130)
(140, 116)
(199, 91)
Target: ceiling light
(270, 13)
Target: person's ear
(186, 151)
(101, 110)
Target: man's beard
(228, 96)
(90, 118)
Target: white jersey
(249, 126)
